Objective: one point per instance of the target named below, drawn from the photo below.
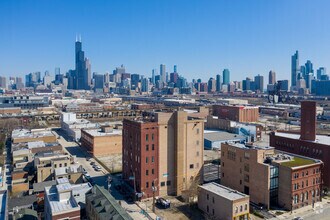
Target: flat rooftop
(320, 139)
(57, 205)
(222, 136)
(298, 161)
(25, 133)
(223, 191)
(100, 133)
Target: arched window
(306, 195)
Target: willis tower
(82, 76)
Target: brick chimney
(308, 121)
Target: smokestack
(308, 121)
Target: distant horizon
(201, 38)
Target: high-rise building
(283, 85)
(309, 67)
(272, 77)
(162, 73)
(218, 83)
(174, 77)
(175, 69)
(211, 85)
(226, 76)
(3, 82)
(82, 71)
(135, 79)
(294, 68)
(259, 83)
(153, 76)
(321, 71)
(98, 81)
(145, 85)
(166, 152)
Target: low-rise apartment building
(234, 205)
(271, 178)
(239, 113)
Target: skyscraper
(309, 67)
(211, 85)
(259, 83)
(3, 82)
(153, 76)
(175, 69)
(294, 68)
(321, 71)
(226, 76)
(80, 80)
(272, 77)
(218, 83)
(162, 73)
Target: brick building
(237, 113)
(166, 150)
(101, 142)
(307, 143)
(271, 178)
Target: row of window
(316, 152)
(304, 196)
(168, 183)
(152, 137)
(296, 186)
(152, 172)
(305, 173)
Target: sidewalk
(305, 211)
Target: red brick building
(237, 113)
(140, 155)
(307, 143)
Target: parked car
(164, 203)
(87, 175)
(88, 158)
(92, 163)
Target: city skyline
(156, 33)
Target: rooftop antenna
(76, 37)
(80, 38)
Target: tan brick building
(102, 142)
(178, 151)
(271, 178)
(220, 202)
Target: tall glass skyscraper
(294, 68)
(82, 73)
(226, 76)
(162, 73)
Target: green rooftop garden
(297, 161)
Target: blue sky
(202, 37)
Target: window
(60, 165)
(306, 195)
(212, 199)
(197, 142)
(147, 147)
(152, 147)
(223, 164)
(197, 153)
(191, 166)
(247, 155)
(197, 131)
(246, 167)
(295, 199)
(241, 208)
(152, 171)
(147, 184)
(223, 174)
(306, 183)
(152, 136)
(162, 184)
(246, 207)
(152, 159)
(212, 211)
(147, 137)
(207, 208)
(246, 178)
(236, 209)
(168, 183)
(207, 196)
(66, 164)
(147, 172)
(147, 159)
(240, 182)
